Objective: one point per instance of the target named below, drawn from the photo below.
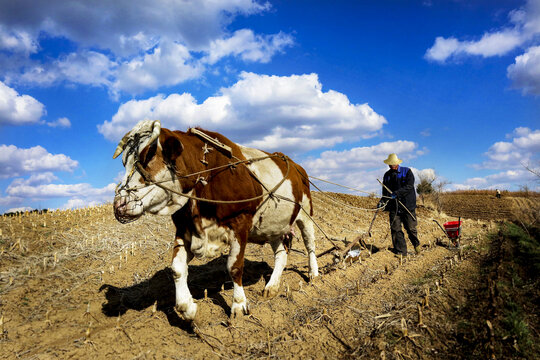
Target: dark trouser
(398, 238)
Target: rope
(343, 186)
(331, 198)
(147, 178)
(269, 193)
(399, 202)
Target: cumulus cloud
(525, 71)
(36, 179)
(524, 25)
(129, 25)
(19, 209)
(47, 191)
(524, 147)
(40, 185)
(491, 44)
(248, 46)
(360, 157)
(17, 41)
(84, 67)
(10, 202)
(359, 167)
(62, 122)
(269, 112)
(523, 30)
(506, 179)
(135, 46)
(16, 109)
(15, 161)
(24, 191)
(168, 64)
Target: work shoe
(417, 249)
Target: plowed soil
(81, 285)
(488, 207)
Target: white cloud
(507, 179)
(360, 157)
(84, 67)
(248, 46)
(494, 44)
(15, 161)
(524, 26)
(36, 179)
(127, 26)
(130, 46)
(18, 109)
(62, 122)
(525, 72)
(79, 203)
(9, 201)
(529, 141)
(21, 192)
(17, 41)
(47, 191)
(359, 167)
(168, 64)
(285, 112)
(511, 155)
(19, 209)
(442, 49)
(491, 44)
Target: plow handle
(445, 233)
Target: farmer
(498, 193)
(399, 199)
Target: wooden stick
(327, 251)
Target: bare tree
(438, 192)
(535, 171)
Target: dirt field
(80, 285)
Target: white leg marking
(184, 300)
(239, 304)
(280, 260)
(308, 234)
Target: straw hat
(393, 160)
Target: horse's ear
(171, 148)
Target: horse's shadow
(160, 289)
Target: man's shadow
(160, 288)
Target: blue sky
(451, 86)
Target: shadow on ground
(160, 289)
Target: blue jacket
(400, 182)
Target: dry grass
(53, 265)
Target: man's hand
(393, 196)
(381, 204)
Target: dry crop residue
(79, 284)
